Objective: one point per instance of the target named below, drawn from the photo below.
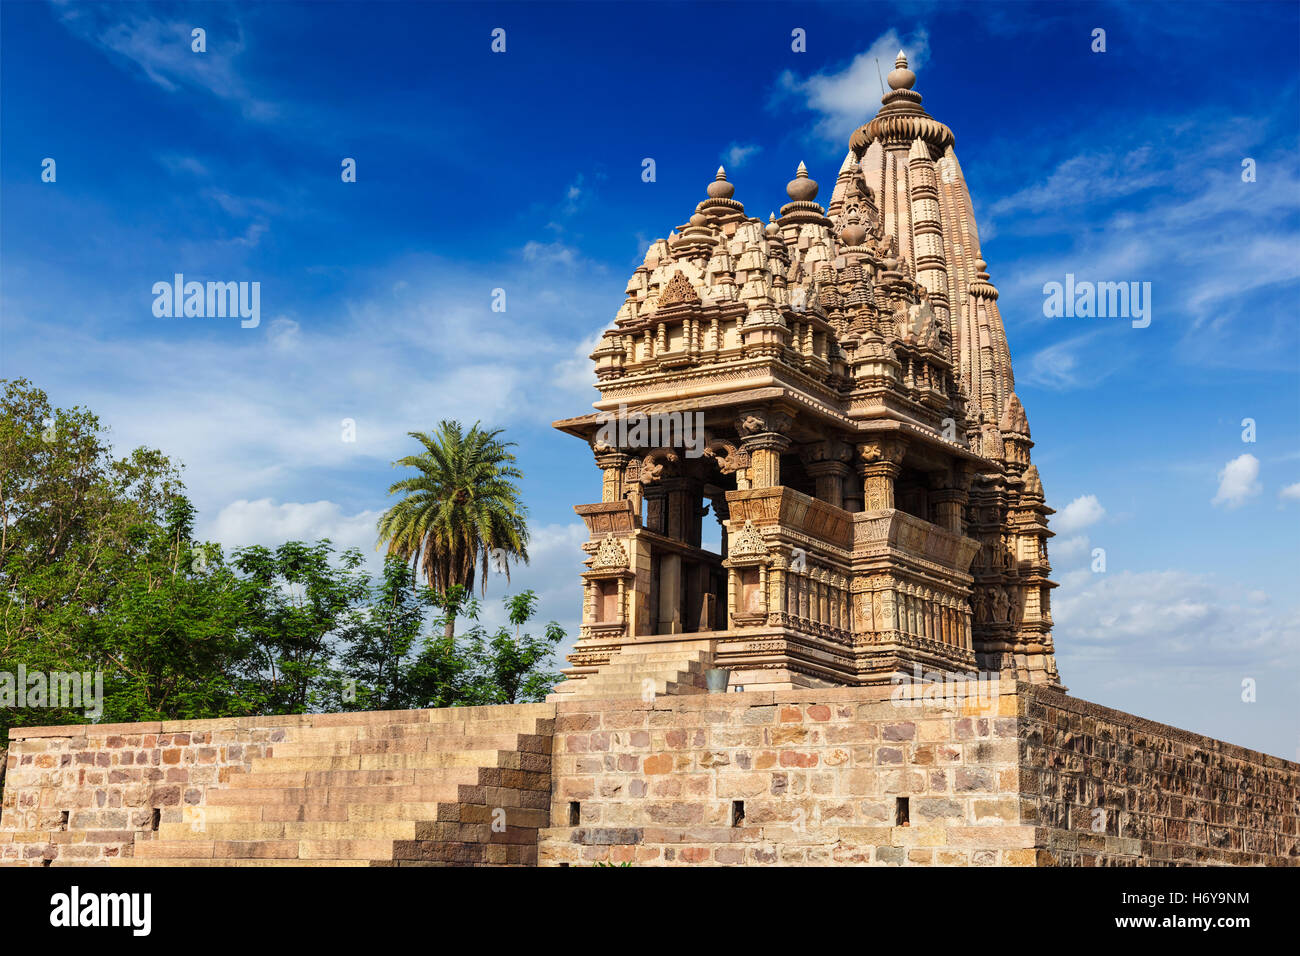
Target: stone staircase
(671, 671)
(457, 786)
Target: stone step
(346, 788)
(618, 689)
(641, 670)
(307, 849)
(301, 780)
(387, 778)
(661, 657)
(624, 688)
(411, 744)
(449, 728)
(362, 762)
(518, 712)
(375, 812)
(149, 862)
(345, 849)
(290, 830)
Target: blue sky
(522, 171)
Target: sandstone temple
(859, 441)
(860, 671)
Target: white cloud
(1172, 619)
(849, 98)
(259, 411)
(1175, 646)
(555, 562)
(549, 252)
(283, 334)
(1085, 179)
(1290, 492)
(161, 50)
(1137, 206)
(1078, 514)
(188, 165)
(1064, 550)
(737, 155)
(242, 523)
(1238, 481)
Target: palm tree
(460, 511)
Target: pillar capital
(613, 463)
(879, 462)
(752, 422)
(763, 437)
(881, 451)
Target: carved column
(763, 438)
(828, 463)
(777, 609)
(950, 495)
(612, 463)
(655, 476)
(880, 464)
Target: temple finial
(900, 77)
(801, 188)
(720, 188)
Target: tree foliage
(460, 511)
(101, 572)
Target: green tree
(377, 666)
(508, 668)
(100, 571)
(87, 541)
(169, 637)
(460, 512)
(294, 602)
(387, 667)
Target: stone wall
(1032, 777)
(792, 777)
(1023, 777)
(417, 787)
(1114, 789)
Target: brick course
(1031, 777)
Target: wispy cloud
(1145, 641)
(160, 48)
(1218, 250)
(736, 155)
(1078, 514)
(844, 99)
(1238, 481)
(263, 408)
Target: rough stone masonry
(848, 776)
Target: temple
(833, 388)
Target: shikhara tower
(864, 449)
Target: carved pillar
(827, 462)
(765, 459)
(778, 608)
(612, 463)
(656, 509)
(852, 495)
(681, 509)
(950, 494)
(763, 438)
(588, 602)
(880, 464)
(655, 475)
